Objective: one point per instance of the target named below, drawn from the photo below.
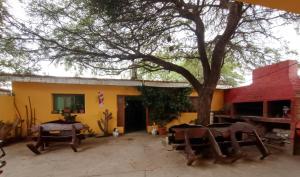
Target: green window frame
(75, 103)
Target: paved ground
(137, 155)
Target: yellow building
(88, 98)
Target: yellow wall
(216, 105)
(41, 99)
(7, 112)
(218, 99)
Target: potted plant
(162, 119)
(67, 110)
(81, 109)
(74, 109)
(67, 115)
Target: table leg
(74, 142)
(190, 154)
(220, 157)
(34, 148)
(261, 147)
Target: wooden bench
(58, 132)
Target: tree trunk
(204, 106)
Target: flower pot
(162, 130)
(67, 110)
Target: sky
(287, 33)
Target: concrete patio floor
(137, 155)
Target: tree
(12, 60)
(112, 36)
(13, 56)
(231, 75)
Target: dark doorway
(249, 108)
(135, 114)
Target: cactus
(103, 122)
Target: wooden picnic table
(219, 137)
(57, 131)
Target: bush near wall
(165, 104)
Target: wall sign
(100, 99)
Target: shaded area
(135, 114)
(249, 109)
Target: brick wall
(273, 82)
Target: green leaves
(110, 8)
(231, 73)
(165, 104)
(13, 59)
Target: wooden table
(58, 131)
(219, 137)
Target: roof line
(86, 78)
(4, 90)
(91, 81)
(88, 81)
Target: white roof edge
(94, 81)
(90, 81)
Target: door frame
(121, 101)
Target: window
(71, 102)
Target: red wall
(274, 82)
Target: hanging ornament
(100, 99)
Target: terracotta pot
(162, 130)
(67, 110)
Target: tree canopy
(231, 74)
(111, 36)
(12, 56)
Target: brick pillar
(265, 109)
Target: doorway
(135, 114)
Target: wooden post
(147, 117)
(27, 122)
(121, 111)
(31, 114)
